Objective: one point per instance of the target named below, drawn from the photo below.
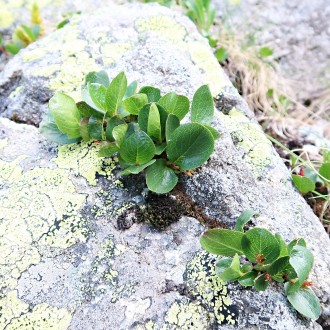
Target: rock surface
(298, 32)
(67, 262)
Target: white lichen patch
(43, 317)
(249, 137)
(83, 160)
(186, 316)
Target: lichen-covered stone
(67, 260)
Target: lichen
(249, 137)
(186, 315)
(43, 317)
(208, 289)
(112, 53)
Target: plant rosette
(269, 259)
(143, 127)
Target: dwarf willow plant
(269, 259)
(143, 128)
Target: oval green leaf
(260, 282)
(65, 114)
(97, 93)
(190, 146)
(152, 93)
(223, 242)
(160, 178)
(243, 219)
(233, 272)
(119, 133)
(137, 149)
(325, 171)
(111, 124)
(172, 123)
(95, 127)
(175, 104)
(135, 169)
(305, 302)
(303, 184)
(260, 242)
(279, 268)
(108, 150)
(115, 93)
(134, 103)
(202, 108)
(248, 278)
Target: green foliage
(24, 35)
(271, 259)
(221, 54)
(265, 52)
(202, 13)
(143, 128)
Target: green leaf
(66, 114)
(175, 104)
(279, 268)
(29, 32)
(152, 93)
(233, 272)
(221, 54)
(213, 131)
(86, 110)
(119, 133)
(248, 278)
(283, 247)
(131, 88)
(154, 128)
(303, 184)
(305, 302)
(190, 146)
(259, 243)
(83, 129)
(202, 109)
(148, 119)
(172, 123)
(111, 124)
(108, 150)
(222, 264)
(135, 169)
(160, 178)
(95, 127)
(298, 241)
(12, 48)
(100, 77)
(325, 171)
(134, 103)
(223, 242)
(137, 149)
(301, 260)
(115, 93)
(265, 52)
(97, 93)
(49, 129)
(160, 148)
(260, 282)
(243, 219)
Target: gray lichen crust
(66, 262)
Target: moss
(160, 211)
(209, 290)
(249, 137)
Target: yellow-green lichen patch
(83, 160)
(186, 315)
(208, 289)
(43, 317)
(202, 56)
(112, 53)
(33, 54)
(6, 17)
(165, 28)
(251, 138)
(10, 308)
(16, 91)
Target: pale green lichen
(6, 17)
(43, 317)
(249, 137)
(83, 160)
(186, 315)
(16, 91)
(209, 289)
(33, 54)
(112, 53)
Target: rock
(74, 254)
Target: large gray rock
(73, 255)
